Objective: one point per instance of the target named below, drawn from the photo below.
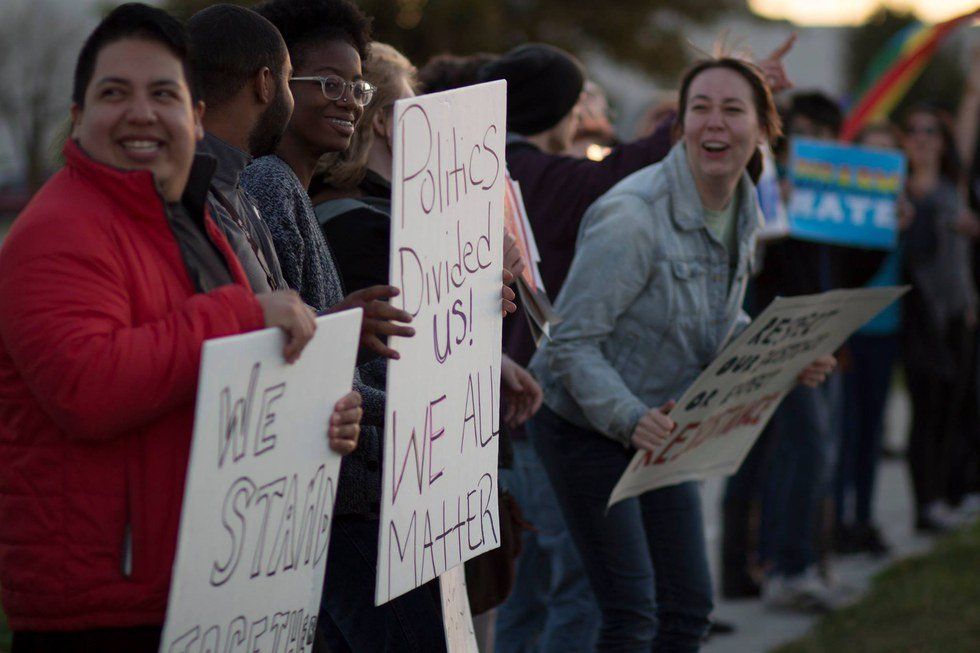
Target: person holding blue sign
(872, 353)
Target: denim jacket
(647, 303)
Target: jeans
(551, 607)
(349, 620)
(865, 392)
(805, 431)
(645, 557)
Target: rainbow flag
(894, 69)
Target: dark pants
(645, 557)
(866, 387)
(798, 477)
(938, 386)
(140, 639)
(742, 498)
(349, 620)
(964, 474)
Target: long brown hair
(385, 68)
(765, 107)
(949, 161)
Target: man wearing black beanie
(543, 86)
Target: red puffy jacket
(100, 344)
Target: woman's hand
(522, 393)
(773, 69)
(817, 372)
(507, 294)
(653, 428)
(345, 423)
(513, 260)
(380, 320)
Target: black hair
(444, 72)
(231, 44)
(131, 20)
(817, 107)
(306, 22)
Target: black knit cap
(543, 85)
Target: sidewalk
(758, 629)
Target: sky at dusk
(854, 12)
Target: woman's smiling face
(721, 125)
(325, 125)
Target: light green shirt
(723, 225)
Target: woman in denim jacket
(654, 292)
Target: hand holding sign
(654, 428)
(507, 294)
(345, 423)
(285, 309)
(817, 372)
(379, 317)
(522, 393)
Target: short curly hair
(305, 22)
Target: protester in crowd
(670, 240)
(327, 40)
(544, 85)
(102, 320)
(939, 312)
(867, 375)
(351, 191)
(790, 469)
(964, 484)
(594, 135)
(241, 69)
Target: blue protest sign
(845, 194)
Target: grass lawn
(929, 604)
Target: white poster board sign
(260, 490)
(439, 494)
(724, 411)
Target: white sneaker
(804, 592)
(942, 514)
(970, 506)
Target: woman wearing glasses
(938, 313)
(327, 40)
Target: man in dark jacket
(241, 68)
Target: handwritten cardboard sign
(845, 194)
(258, 501)
(724, 411)
(439, 494)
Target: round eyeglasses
(334, 87)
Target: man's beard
(269, 128)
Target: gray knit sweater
(309, 269)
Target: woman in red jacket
(110, 281)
